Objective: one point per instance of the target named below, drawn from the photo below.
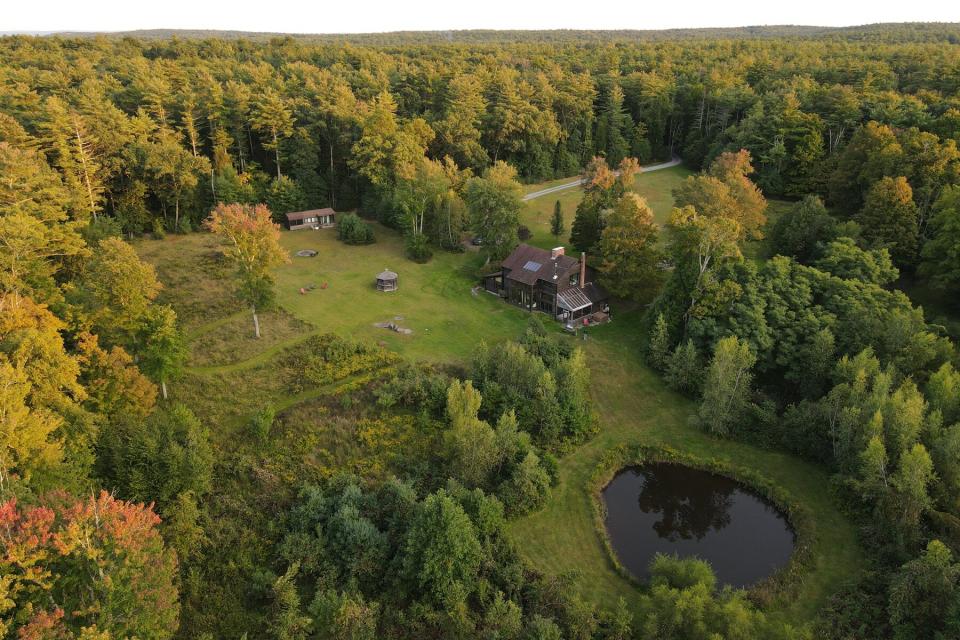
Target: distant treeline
(887, 32)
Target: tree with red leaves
(85, 569)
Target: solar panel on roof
(532, 265)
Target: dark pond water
(673, 509)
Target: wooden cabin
(548, 281)
(312, 219)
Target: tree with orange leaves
(114, 384)
(725, 191)
(252, 244)
(733, 170)
(603, 188)
(627, 170)
(86, 569)
(598, 175)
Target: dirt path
(249, 363)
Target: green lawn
(232, 375)
(219, 345)
(195, 278)
(655, 186)
(434, 299)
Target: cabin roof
(296, 216)
(528, 264)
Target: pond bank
(770, 587)
(673, 509)
(636, 408)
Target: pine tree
(587, 225)
(684, 372)
(287, 621)
(556, 221)
(614, 125)
(658, 353)
(273, 118)
(75, 153)
(941, 253)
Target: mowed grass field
(448, 320)
(655, 187)
(434, 300)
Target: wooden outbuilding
(387, 281)
(311, 219)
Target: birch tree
(252, 244)
(163, 350)
(698, 245)
(726, 392)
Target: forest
(801, 299)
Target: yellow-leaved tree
(628, 243)
(38, 386)
(252, 244)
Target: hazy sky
(346, 16)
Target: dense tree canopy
(804, 344)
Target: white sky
(360, 16)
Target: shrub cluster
(351, 229)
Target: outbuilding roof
(528, 264)
(297, 216)
(386, 274)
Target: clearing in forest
(232, 376)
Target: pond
(673, 509)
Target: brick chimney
(556, 252)
(583, 269)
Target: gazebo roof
(386, 274)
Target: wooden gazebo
(387, 281)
